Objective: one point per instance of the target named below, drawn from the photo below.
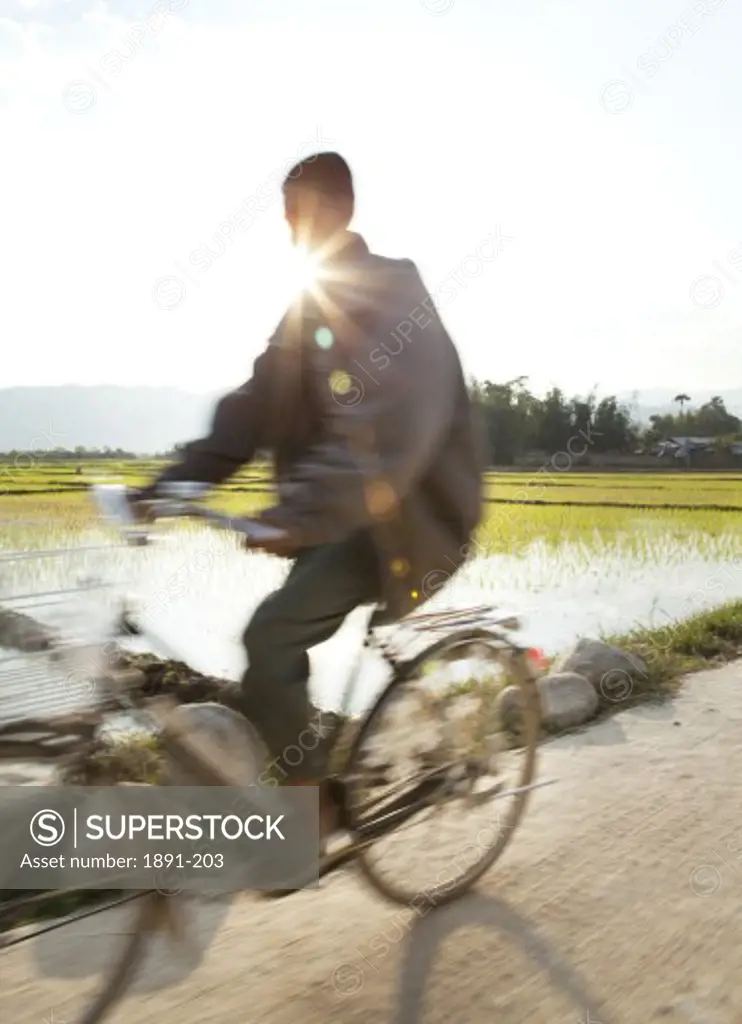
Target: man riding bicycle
(360, 397)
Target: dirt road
(619, 901)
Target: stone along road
(619, 900)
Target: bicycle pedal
(338, 855)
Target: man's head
(318, 199)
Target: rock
(611, 670)
(223, 736)
(126, 625)
(22, 633)
(567, 700)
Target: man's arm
(383, 426)
(238, 429)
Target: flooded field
(604, 571)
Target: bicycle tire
(125, 968)
(523, 677)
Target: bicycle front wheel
(196, 740)
(123, 970)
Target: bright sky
(136, 133)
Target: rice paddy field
(575, 553)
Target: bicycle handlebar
(178, 500)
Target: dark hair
(326, 173)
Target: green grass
(509, 528)
(113, 761)
(670, 651)
(550, 485)
(53, 493)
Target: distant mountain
(148, 419)
(138, 419)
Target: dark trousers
(325, 584)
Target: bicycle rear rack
(481, 615)
(402, 641)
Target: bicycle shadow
(91, 945)
(611, 731)
(428, 934)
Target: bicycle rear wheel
(444, 717)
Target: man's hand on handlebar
(142, 511)
(286, 546)
(144, 508)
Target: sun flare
(303, 271)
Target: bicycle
(452, 759)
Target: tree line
(513, 421)
(25, 459)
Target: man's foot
(330, 816)
(329, 807)
(330, 820)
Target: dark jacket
(361, 398)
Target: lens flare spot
(380, 499)
(340, 382)
(324, 337)
(399, 567)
